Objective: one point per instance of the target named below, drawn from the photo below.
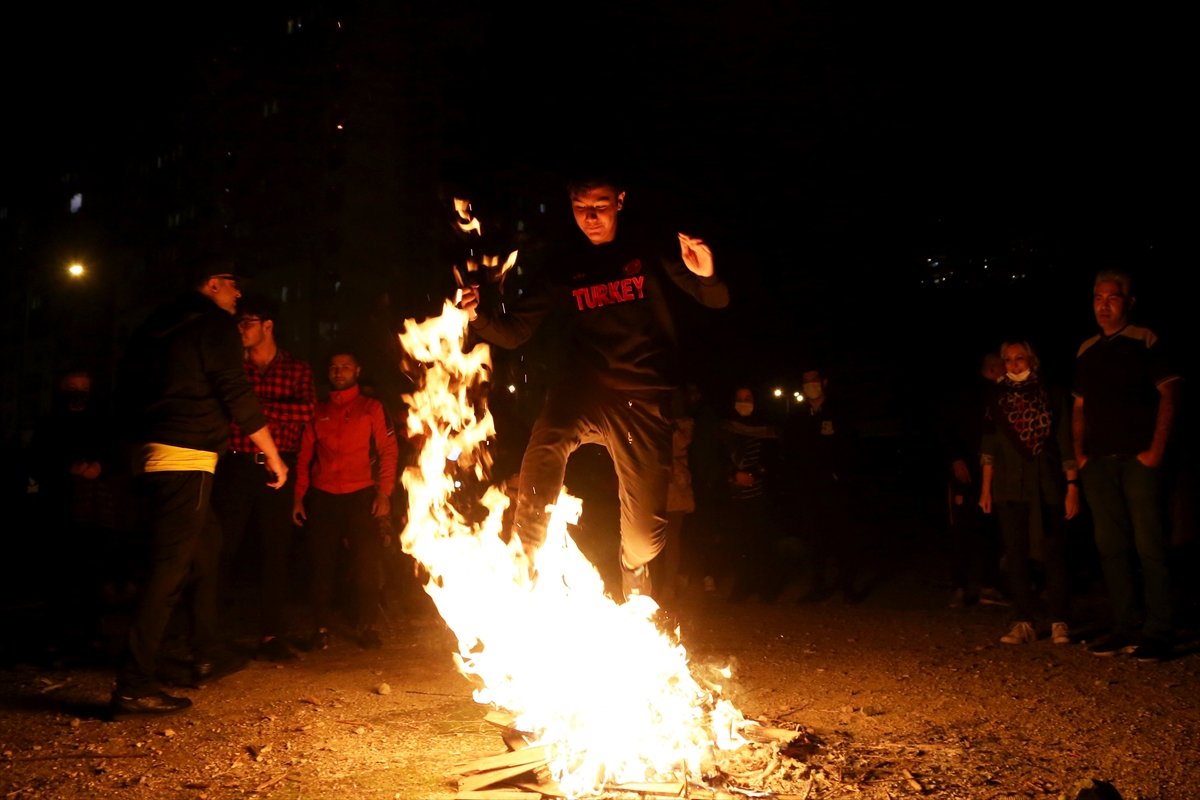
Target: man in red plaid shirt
(285, 388)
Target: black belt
(257, 458)
(261, 458)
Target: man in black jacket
(181, 383)
(611, 296)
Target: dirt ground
(895, 696)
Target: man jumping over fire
(611, 295)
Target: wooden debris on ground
(521, 772)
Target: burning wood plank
(499, 794)
(503, 720)
(522, 771)
(500, 718)
(668, 789)
(482, 780)
(513, 758)
(547, 787)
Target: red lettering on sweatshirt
(604, 294)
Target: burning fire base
(768, 765)
(577, 722)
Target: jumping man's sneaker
(635, 581)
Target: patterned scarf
(1023, 411)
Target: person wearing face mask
(1031, 483)
(819, 452)
(747, 535)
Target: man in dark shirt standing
(1126, 395)
(286, 390)
(611, 294)
(181, 384)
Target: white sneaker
(1021, 633)
(1060, 633)
(635, 581)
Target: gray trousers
(637, 435)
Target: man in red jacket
(345, 474)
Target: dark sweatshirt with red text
(611, 304)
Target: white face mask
(1017, 377)
(812, 391)
(744, 409)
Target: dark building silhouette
(318, 144)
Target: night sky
(825, 150)
(990, 116)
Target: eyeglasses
(233, 279)
(246, 322)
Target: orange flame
(470, 223)
(608, 693)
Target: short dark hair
(592, 180)
(206, 266)
(342, 349)
(258, 305)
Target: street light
(794, 397)
(76, 270)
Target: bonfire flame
(469, 223)
(597, 682)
